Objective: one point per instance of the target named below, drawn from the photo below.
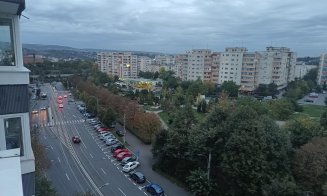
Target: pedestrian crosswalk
(56, 123)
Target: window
(13, 133)
(7, 54)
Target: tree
(301, 130)
(311, 75)
(281, 109)
(310, 165)
(44, 187)
(109, 117)
(323, 119)
(325, 101)
(198, 183)
(230, 88)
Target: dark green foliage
(230, 88)
(267, 89)
(108, 117)
(198, 183)
(281, 187)
(281, 109)
(311, 75)
(148, 75)
(44, 187)
(323, 119)
(302, 129)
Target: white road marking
(103, 171)
(59, 160)
(51, 147)
(67, 176)
(91, 156)
(74, 116)
(121, 191)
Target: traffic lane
(102, 164)
(320, 100)
(65, 178)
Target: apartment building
(181, 63)
(17, 164)
(122, 64)
(322, 69)
(164, 60)
(277, 65)
(230, 68)
(215, 64)
(250, 64)
(144, 63)
(198, 64)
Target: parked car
(138, 177)
(122, 155)
(61, 105)
(110, 142)
(118, 151)
(107, 137)
(120, 133)
(130, 166)
(76, 139)
(116, 147)
(103, 129)
(127, 160)
(103, 134)
(154, 189)
(309, 100)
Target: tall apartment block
(322, 69)
(250, 64)
(230, 68)
(122, 64)
(277, 65)
(17, 165)
(198, 64)
(144, 64)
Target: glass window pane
(7, 55)
(13, 133)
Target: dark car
(154, 189)
(309, 100)
(127, 160)
(116, 147)
(138, 177)
(76, 139)
(120, 133)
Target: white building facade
(322, 69)
(17, 164)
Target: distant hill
(65, 52)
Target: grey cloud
(174, 26)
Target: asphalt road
(316, 101)
(88, 166)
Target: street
(88, 166)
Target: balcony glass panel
(13, 133)
(7, 54)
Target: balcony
(12, 6)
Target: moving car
(138, 177)
(59, 97)
(76, 139)
(65, 96)
(122, 155)
(154, 189)
(309, 100)
(43, 108)
(60, 101)
(130, 166)
(35, 111)
(61, 105)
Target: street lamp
(129, 70)
(208, 164)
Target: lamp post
(208, 164)
(124, 129)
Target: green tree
(230, 88)
(281, 109)
(198, 183)
(301, 130)
(310, 165)
(281, 187)
(44, 187)
(109, 117)
(323, 119)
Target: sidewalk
(146, 160)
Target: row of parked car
(127, 159)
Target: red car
(118, 151)
(76, 139)
(102, 129)
(122, 155)
(60, 101)
(59, 97)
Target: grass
(313, 111)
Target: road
(316, 101)
(88, 166)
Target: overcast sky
(174, 26)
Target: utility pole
(124, 130)
(209, 164)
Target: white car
(110, 142)
(130, 166)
